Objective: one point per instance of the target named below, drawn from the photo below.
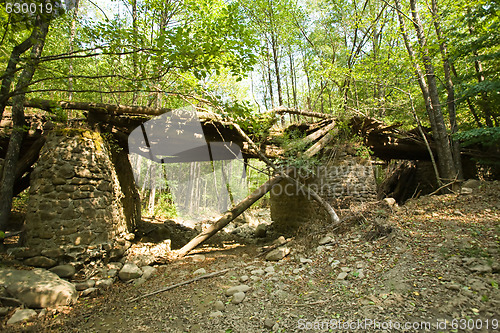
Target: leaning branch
(206, 276)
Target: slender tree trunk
(11, 69)
(274, 45)
(450, 89)
(440, 135)
(270, 78)
(71, 48)
(9, 168)
(134, 55)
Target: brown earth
(435, 260)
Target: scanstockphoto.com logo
(28, 9)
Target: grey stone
(129, 272)
(4, 311)
(115, 265)
(148, 271)
(200, 271)
(84, 285)
(342, 276)
(112, 273)
(236, 289)
(90, 292)
(391, 202)
(25, 253)
(53, 253)
(277, 254)
(261, 230)
(219, 306)
(481, 269)
(453, 286)
(42, 313)
(104, 283)
(325, 240)
(63, 271)
(258, 272)
(269, 323)
(22, 315)
(197, 258)
(244, 278)
(40, 261)
(304, 260)
(280, 240)
(472, 183)
(269, 269)
(215, 314)
(139, 281)
(466, 190)
(238, 297)
(38, 288)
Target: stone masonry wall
(75, 210)
(343, 180)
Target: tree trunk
(9, 169)
(450, 89)
(11, 69)
(274, 45)
(71, 48)
(446, 162)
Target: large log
(233, 213)
(282, 109)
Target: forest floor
(434, 261)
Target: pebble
(258, 272)
(244, 278)
(197, 258)
(305, 261)
(104, 283)
(238, 297)
(236, 289)
(345, 269)
(269, 323)
(90, 292)
(84, 285)
(147, 272)
(325, 240)
(42, 313)
(269, 269)
(277, 254)
(63, 271)
(219, 306)
(22, 315)
(200, 271)
(453, 286)
(342, 276)
(215, 314)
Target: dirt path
(440, 261)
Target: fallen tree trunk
(232, 213)
(49, 106)
(281, 110)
